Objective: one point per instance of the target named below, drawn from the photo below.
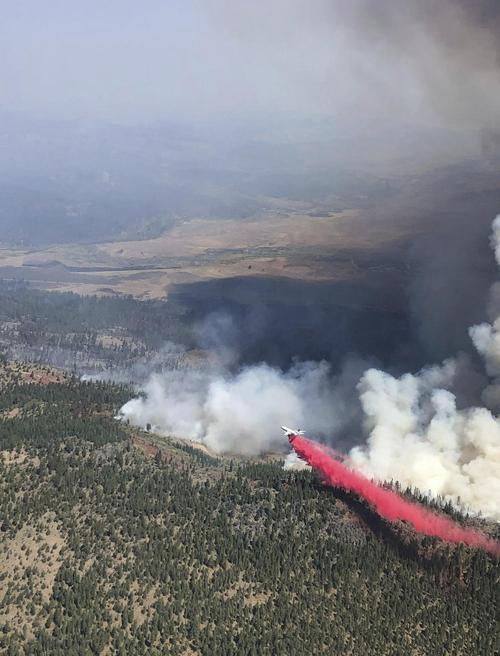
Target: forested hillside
(109, 548)
(91, 335)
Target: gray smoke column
(418, 436)
(486, 337)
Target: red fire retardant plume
(387, 503)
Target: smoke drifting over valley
(415, 433)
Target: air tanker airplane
(291, 432)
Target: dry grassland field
(275, 244)
(367, 246)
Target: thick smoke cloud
(417, 435)
(486, 337)
(452, 272)
(415, 430)
(242, 412)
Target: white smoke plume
(242, 412)
(415, 432)
(294, 463)
(486, 338)
(418, 437)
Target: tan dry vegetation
(275, 243)
(271, 229)
(19, 456)
(250, 592)
(40, 375)
(109, 341)
(10, 414)
(29, 373)
(36, 550)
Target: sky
(425, 61)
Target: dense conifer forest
(111, 545)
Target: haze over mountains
(338, 164)
(87, 180)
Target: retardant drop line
(387, 503)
